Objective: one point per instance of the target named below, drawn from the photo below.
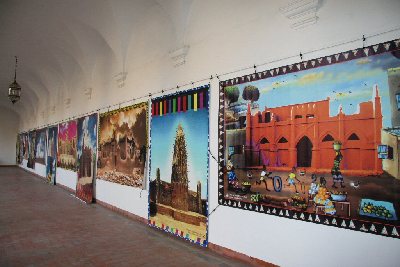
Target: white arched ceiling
(179, 12)
(68, 47)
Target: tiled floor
(43, 225)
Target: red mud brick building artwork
(302, 135)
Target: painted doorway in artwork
(304, 152)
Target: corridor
(43, 225)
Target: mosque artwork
(40, 152)
(86, 156)
(179, 165)
(51, 161)
(316, 141)
(123, 145)
(66, 152)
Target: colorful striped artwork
(180, 103)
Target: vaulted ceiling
(66, 48)
(63, 46)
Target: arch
(264, 140)
(282, 140)
(353, 137)
(328, 138)
(304, 152)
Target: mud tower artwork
(178, 175)
(179, 179)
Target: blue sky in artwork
(41, 143)
(163, 131)
(346, 84)
(87, 130)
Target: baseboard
(33, 173)
(121, 211)
(239, 256)
(66, 188)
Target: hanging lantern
(14, 90)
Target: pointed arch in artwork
(282, 140)
(327, 138)
(353, 137)
(304, 152)
(264, 141)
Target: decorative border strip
(195, 99)
(315, 63)
(352, 224)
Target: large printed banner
(86, 160)
(41, 146)
(19, 149)
(179, 164)
(31, 149)
(25, 145)
(66, 152)
(123, 145)
(316, 141)
(51, 162)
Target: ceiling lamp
(14, 90)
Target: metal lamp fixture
(14, 90)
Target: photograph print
(86, 156)
(41, 146)
(123, 145)
(51, 162)
(66, 152)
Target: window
(231, 150)
(310, 116)
(235, 150)
(327, 138)
(398, 101)
(282, 140)
(298, 116)
(385, 152)
(268, 116)
(260, 118)
(353, 137)
(264, 141)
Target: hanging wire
(213, 210)
(211, 154)
(149, 95)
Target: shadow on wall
(9, 121)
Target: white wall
(226, 36)
(131, 199)
(66, 178)
(9, 122)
